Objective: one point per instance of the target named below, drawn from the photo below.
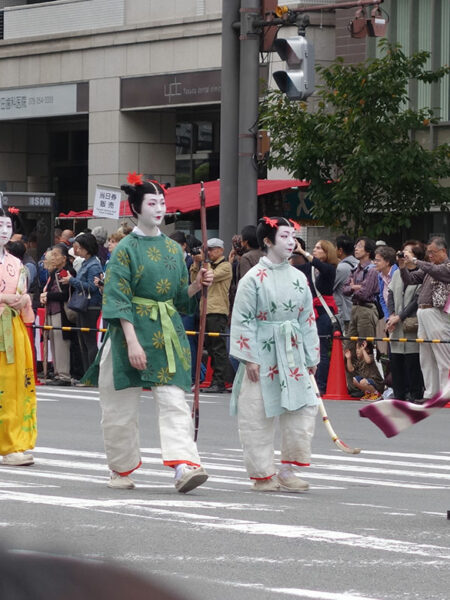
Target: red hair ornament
(135, 178)
(294, 224)
(271, 222)
(13, 210)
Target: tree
(368, 174)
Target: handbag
(334, 320)
(379, 308)
(70, 314)
(410, 324)
(78, 301)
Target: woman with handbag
(320, 271)
(54, 297)
(407, 380)
(85, 298)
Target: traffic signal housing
(297, 81)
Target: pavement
(372, 526)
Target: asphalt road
(372, 526)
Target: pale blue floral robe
(273, 325)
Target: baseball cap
(215, 243)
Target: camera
(196, 251)
(400, 254)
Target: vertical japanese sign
(107, 202)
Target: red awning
(185, 198)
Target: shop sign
(44, 101)
(27, 200)
(107, 202)
(171, 90)
(176, 89)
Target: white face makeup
(153, 209)
(5, 230)
(284, 244)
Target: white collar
(138, 231)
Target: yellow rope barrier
(386, 339)
(216, 334)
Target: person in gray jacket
(432, 314)
(347, 263)
(407, 379)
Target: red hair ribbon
(271, 222)
(13, 210)
(135, 178)
(295, 225)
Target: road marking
(152, 456)
(43, 392)
(380, 461)
(318, 595)
(148, 511)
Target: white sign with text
(107, 202)
(44, 101)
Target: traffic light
(297, 82)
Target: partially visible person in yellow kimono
(17, 391)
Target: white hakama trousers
(434, 324)
(256, 432)
(120, 422)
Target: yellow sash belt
(6, 333)
(166, 310)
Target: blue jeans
(324, 327)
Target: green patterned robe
(273, 325)
(143, 269)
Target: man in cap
(218, 309)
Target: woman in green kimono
(146, 284)
(274, 336)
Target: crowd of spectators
(364, 288)
(74, 263)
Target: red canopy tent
(185, 198)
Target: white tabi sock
(286, 469)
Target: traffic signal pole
(239, 115)
(243, 25)
(229, 122)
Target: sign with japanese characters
(44, 101)
(107, 202)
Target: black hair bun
(128, 189)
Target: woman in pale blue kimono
(274, 336)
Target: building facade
(93, 89)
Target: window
(197, 150)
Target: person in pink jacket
(17, 391)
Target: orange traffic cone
(337, 384)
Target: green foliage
(367, 173)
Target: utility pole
(229, 122)
(248, 112)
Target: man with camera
(433, 312)
(363, 287)
(218, 308)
